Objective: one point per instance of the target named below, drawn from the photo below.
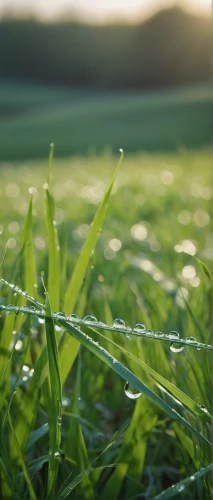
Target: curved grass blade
(204, 268)
(88, 247)
(78, 275)
(128, 376)
(66, 490)
(179, 488)
(177, 393)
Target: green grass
(68, 428)
(86, 121)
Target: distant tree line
(170, 48)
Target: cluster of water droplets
(176, 343)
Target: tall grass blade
(180, 487)
(24, 468)
(78, 275)
(129, 377)
(55, 400)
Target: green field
(142, 270)
(86, 121)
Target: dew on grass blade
(192, 340)
(139, 327)
(119, 323)
(159, 334)
(131, 392)
(174, 335)
(73, 317)
(59, 455)
(89, 318)
(175, 347)
(149, 332)
(204, 409)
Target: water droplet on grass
(149, 332)
(119, 323)
(90, 318)
(159, 334)
(192, 340)
(204, 409)
(139, 326)
(59, 455)
(131, 392)
(175, 347)
(174, 335)
(73, 317)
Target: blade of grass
(76, 444)
(53, 253)
(177, 393)
(55, 400)
(179, 488)
(78, 275)
(24, 468)
(128, 376)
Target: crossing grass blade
(54, 401)
(132, 454)
(129, 377)
(24, 468)
(70, 344)
(177, 393)
(76, 447)
(179, 488)
(88, 247)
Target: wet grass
(127, 414)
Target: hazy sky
(100, 10)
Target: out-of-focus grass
(82, 121)
(158, 219)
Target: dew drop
(59, 455)
(138, 327)
(174, 335)
(159, 334)
(118, 323)
(41, 321)
(89, 318)
(149, 332)
(62, 314)
(175, 347)
(32, 308)
(73, 317)
(204, 409)
(131, 392)
(192, 340)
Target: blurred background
(93, 76)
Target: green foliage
(67, 427)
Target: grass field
(142, 271)
(86, 121)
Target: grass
(80, 122)
(127, 414)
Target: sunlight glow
(104, 10)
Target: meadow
(84, 121)
(109, 398)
